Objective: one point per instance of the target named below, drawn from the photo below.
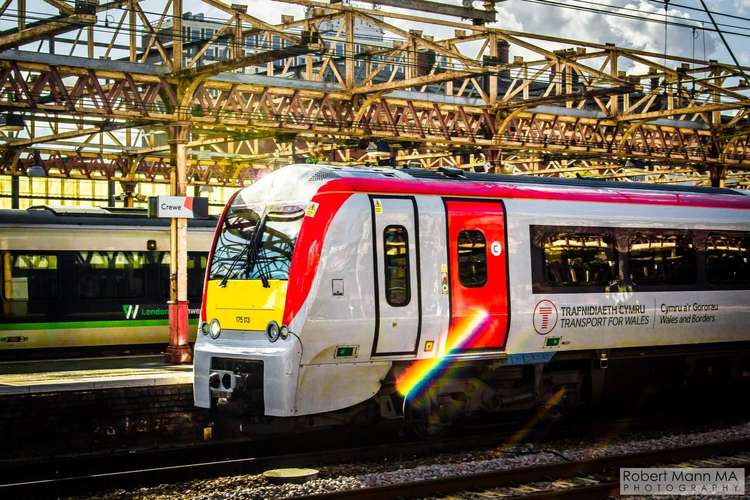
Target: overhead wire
(347, 55)
(404, 63)
(689, 7)
(547, 76)
(636, 17)
(716, 26)
(682, 23)
(401, 63)
(641, 14)
(726, 44)
(666, 9)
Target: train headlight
(273, 331)
(284, 332)
(214, 329)
(204, 328)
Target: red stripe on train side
(307, 249)
(535, 192)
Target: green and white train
(87, 280)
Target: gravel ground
(365, 474)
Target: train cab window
(472, 258)
(662, 259)
(110, 274)
(396, 263)
(578, 259)
(29, 276)
(256, 242)
(728, 260)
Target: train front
(245, 354)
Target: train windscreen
(256, 242)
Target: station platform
(85, 374)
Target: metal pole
(178, 350)
(110, 193)
(21, 14)
(718, 176)
(15, 192)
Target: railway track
(594, 478)
(82, 475)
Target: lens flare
(420, 373)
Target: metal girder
(485, 16)
(437, 100)
(155, 169)
(45, 29)
(202, 72)
(222, 106)
(63, 7)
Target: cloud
(595, 27)
(524, 15)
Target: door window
(396, 252)
(472, 258)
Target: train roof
(330, 172)
(456, 174)
(91, 216)
(458, 183)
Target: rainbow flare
(419, 374)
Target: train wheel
(423, 418)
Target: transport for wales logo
(545, 317)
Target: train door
(396, 265)
(478, 268)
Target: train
(431, 295)
(90, 281)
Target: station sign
(171, 207)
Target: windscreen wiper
(224, 280)
(263, 267)
(254, 246)
(250, 246)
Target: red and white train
(434, 294)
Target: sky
(525, 15)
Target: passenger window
(472, 258)
(107, 275)
(159, 263)
(29, 276)
(396, 262)
(575, 259)
(727, 259)
(662, 259)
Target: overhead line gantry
(137, 99)
(458, 100)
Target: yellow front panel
(245, 304)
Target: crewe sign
(170, 207)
